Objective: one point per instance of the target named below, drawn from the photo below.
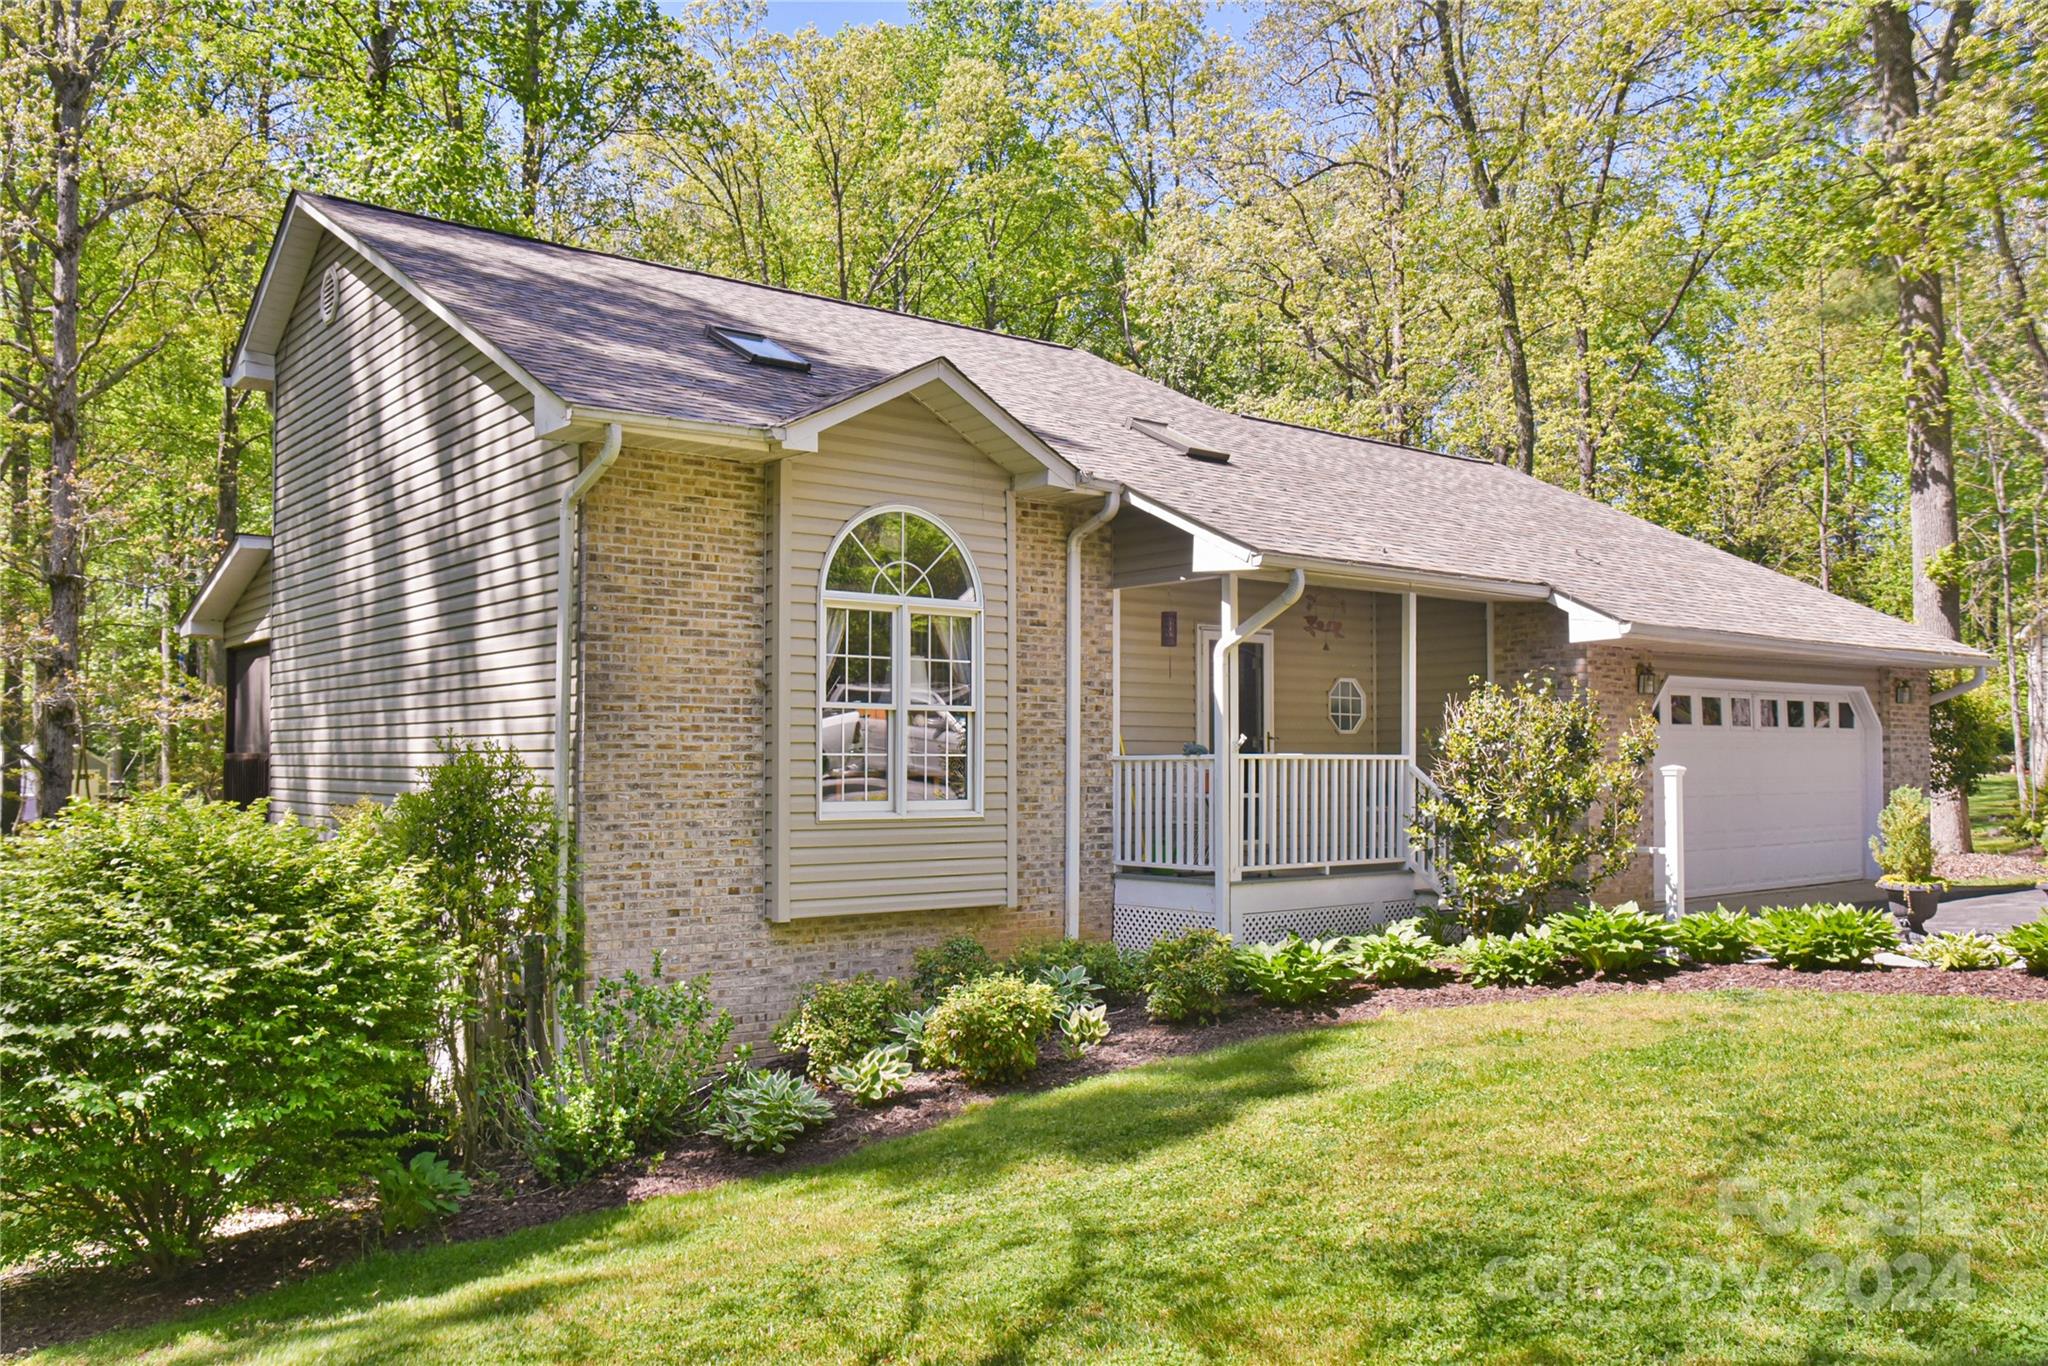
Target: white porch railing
(1161, 812)
(1306, 811)
(1300, 812)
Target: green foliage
(1529, 807)
(878, 1075)
(1961, 952)
(1904, 843)
(1525, 959)
(419, 1193)
(627, 1076)
(1120, 974)
(1611, 939)
(1968, 737)
(1190, 978)
(763, 1111)
(1082, 1028)
(989, 1029)
(1716, 936)
(201, 1011)
(835, 1022)
(1296, 971)
(1070, 986)
(945, 966)
(908, 1029)
(2030, 942)
(1400, 954)
(1814, 937)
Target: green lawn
(1994, 806)
(1333, 1194)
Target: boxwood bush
(836, 1022)
(1190, 977)
(989, 1029)
(1814, 937)
(1120, 974)
(200, 1012)
(944, 966)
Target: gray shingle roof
(607, 332)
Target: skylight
(1180, 441)
(759, 349)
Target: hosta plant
(1716, 936)
(2030, 942)
(418, 1193)
(1814, 937)
(1401, 953)
(1120, 973)
(1528, 959)
(1083, 1028)
(1296, 971)
(1071, 986)
(760, 1112)
(838, 1021)
(1611, 939)
(878, 1075)
(1961, 952)
(908, 1029)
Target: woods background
(1770, 275)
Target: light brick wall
(675, 821)
(1905, 728)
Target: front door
(1254, 691)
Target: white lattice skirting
(1137, 927)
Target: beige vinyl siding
(1148, 550)
(1450, 651)
(414, 544)
(248, 621)
(1331, 633)
(838, 865)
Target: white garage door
(1780, 782)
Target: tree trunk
(1589, 456)
(13, 675)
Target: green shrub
(989, 1030)
(1528, 805)
(945, 966)
(1083, 1028)
(1120, 974)
(632, 1061)
(1716, 936)
(1811, 937)
(836, 1022)
(1297, 971)
(2030, 942)
(1904, 843)
(760, 1112)
(909, 1027)
(418, 1193)
(877, 1076)
(1961, 952)
(1611, 939)
(1190, 977)
(200, 1012)
(1401, 953)
(1530, 958)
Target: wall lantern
(1646, 681)
(1169, 630)
(1902, 691)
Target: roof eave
(206, 619)
(1590, 625)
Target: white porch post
(1408, 703)
(1224, 812)
(1674, 839)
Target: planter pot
(1913, 907)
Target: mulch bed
(44, 1309)
(2020, 870)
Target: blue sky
(787, 16)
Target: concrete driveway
(1990, 913)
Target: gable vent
(330, 293)
(1180, 441)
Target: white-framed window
(900, 665)
(1347, 706)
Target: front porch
(1273, 729)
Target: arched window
(899, 728)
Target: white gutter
(1970, 684)
(1223, 840)
(565, 640)
(1110, 504)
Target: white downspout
(1079, 534)
(1225, 839)
(1969, 684)
(565, 641)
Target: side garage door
(1780, 784)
